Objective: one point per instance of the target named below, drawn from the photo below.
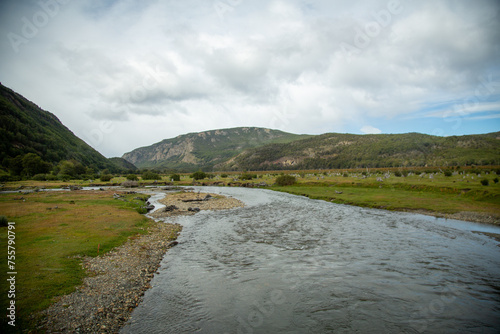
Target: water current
(289, 264)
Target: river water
(289, 264)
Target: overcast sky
(124, 74)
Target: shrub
(495, 180)
(405, 173)
(130, 184)
(248, 176)
(198, 175)
(447, 173)
(4, 221)
(397, 174)
(223, 176)
(485, 182)
(106, 177)
(132, 177)
(64, 177)
(150, 176)
(175, 177)
(50, 177)
(39, 177)
(142, 210)
(285, 180)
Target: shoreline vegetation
(74, 246)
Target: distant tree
(286, 180)
(199, 175)
(175, 177)
(106, 177)
(33, 164)
(148, 175)
(16, 165)
(132, 177)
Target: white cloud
(159, 69)
(368, 129)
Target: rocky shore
(114, 287)
(117, 280)
(189, 203)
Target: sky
(123, 74)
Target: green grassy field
(50, 242)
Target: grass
(418, 191)
(50, 243)
(439, 194)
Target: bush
(3, 221)
(447, 173)
(397, 174)
(485, 182)
(130, 184)
(132, 177)
(175, 177)
(495, 180)
(285, 180)
(106, 177)
(198, 175)
(223, 176)
(39, 177)
(150, 176)
(247, 176)
(142, 210)
(50, 177)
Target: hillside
(26, 128)
(204, 150)
(123, 164)
(333, 150)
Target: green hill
(204, 150)
(332, 150)
(123, 164)
(26, 128)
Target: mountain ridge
(203, 150)
(328, 151)
(27, 128)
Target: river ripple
(288, 264)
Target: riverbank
(114, 286)
(189, 203)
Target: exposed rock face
(204, 149)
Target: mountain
(204, 150)
(26, 128)
(123, 164)
(334, 150)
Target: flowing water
(288, 264)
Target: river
(289, 264)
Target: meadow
(53, 232)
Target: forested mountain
(333, 150)
(123, 164)
(204, 150)
(25, 128)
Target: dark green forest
(33, 141)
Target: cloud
(368, 129)
(300, 66)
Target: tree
(286, 180)
(132, 177)
(199, 175)
(33, 164)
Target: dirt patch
(188, 203)
(115, 285)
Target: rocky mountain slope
(204, 150)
